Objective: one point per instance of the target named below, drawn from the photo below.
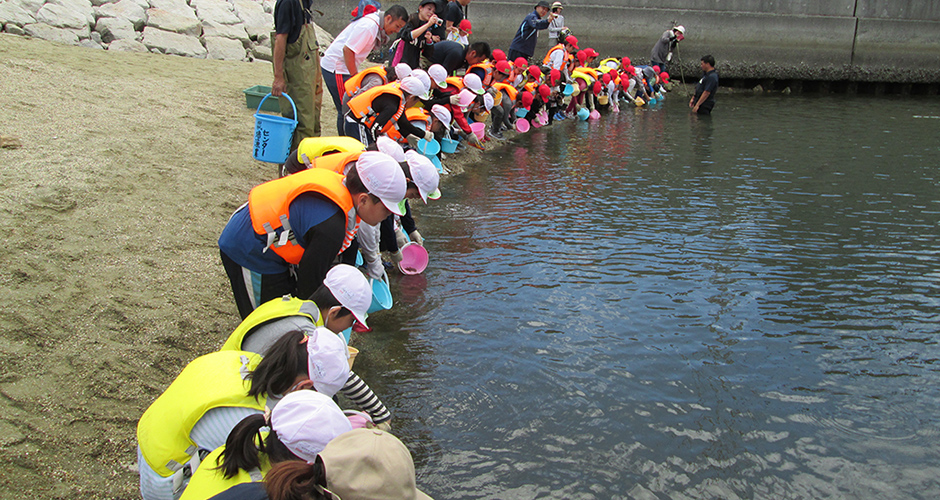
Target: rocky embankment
(233, 30)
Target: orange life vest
(355, 83)
(413, 115)
(336, 162)
(361, 105)
(507, 88)
(456, 81)
(548, 57)
(269, 207)
(487, 72)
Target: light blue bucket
(273, 134)
(521, 112)
(428, 148)
(448, 145)
(583, 114)
(569, 89)
(359, 261)
(437, 163)
(381, 295)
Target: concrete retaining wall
(856, 40)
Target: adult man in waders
(704, 99)
(297, 66)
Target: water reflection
(656, 306)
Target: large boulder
(128, 46)
(218, 11)
(14, 29)
(230, 31)
(176, 6)
(51, 33)
(258, 23)
(12, 13)
(125, 9)
(175, 22)
(99, 3)
(261, 52)
(88, 43)
(113, 28)
(225, 49)
(32, 6)
(83, 6)
(166, 42)
(60, 16)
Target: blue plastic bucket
(448, 145)
(273, 134)
(521, 112)
(428, 148)
(583, 114)
(569, 89)
(437, 163)
(381, 295)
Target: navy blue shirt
(290, 17)
(526, 35)
(708, 83)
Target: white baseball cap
(306, 421)
(438, 74)
(466, 97)
(423, 173)
(412, 86)
(680, 29)
(422, 75)
(351, 288)
(402, 71)
(382, 176)
(442, 114)
(390, 147)
(487, 101)
(473, 82)
(327, 360)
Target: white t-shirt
(557, 59)
(360, 36)
(455, 36)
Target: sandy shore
(130, 166)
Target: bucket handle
(258, 111)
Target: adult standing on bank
(557, 25)
(662, 51)
(523, 44)
(351, 47)
(704, 99)
(297, 66)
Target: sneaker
(498, 136)
(559, 116)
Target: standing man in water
(523, 44)
(704, 99)
(297, 66)
(662, 51)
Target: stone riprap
(232, 30)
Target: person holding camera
(416, 38)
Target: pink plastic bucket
(522, 125)
(478, 129)
(414, 259)
(595, 115)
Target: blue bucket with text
(273, 134)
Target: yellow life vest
(215, 380)
(588, 71)
(583, 76)
(605, 63)
(273, 310)
(208, 480)
(269, 207)
(312, 147)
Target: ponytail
(242, 446)
(297, 480)
(275, 374)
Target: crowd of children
(259, 418)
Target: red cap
(631, 70)
(664, 76)
(503, 66)
(606, 78)
(465, 25)
(572, 40)
(499, 55)
(527, 99)
(535, 72)
(554, 76)
(598, 87)
(544, 91)
(656, 69)
(582, 56)
(591, 52)
(520, 62)
(365, 12)
(624, 62)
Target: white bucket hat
(442, 114)
(473, 82)
(390, 147)
(438, 74)
(402, 71)
(382, 177)
(423, 173)
(327, 360)
(422, 75)
(306, 421)
(351, 288)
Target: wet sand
(110, 275)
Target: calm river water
(658, 306)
